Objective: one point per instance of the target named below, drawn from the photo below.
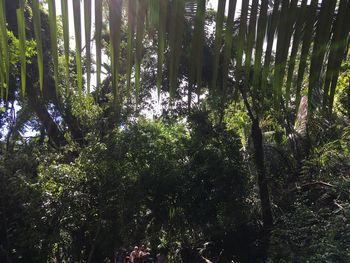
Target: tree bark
(261, 171)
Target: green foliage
(315, 228)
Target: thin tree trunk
(94, 244)
(261, 171)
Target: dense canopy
(203, 129)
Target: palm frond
(338, 51)
(320, 43)
(241, 38)
(53, 40)
(87, 20)
(77, 29)
(295, 46)
(196, 50)
(65, 23)
(270, 40)
(140, 27)
(22, 45)
(163, 11)
(306, 43)
(98, 39)
(251, 37)
(176, 35)
(131, 26)
(228, 42)
(220, 15)
(4, 52)
(261, 31)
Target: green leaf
(251, 38)
(4, 52)
(285, 30)
(176, 36)
(241, 39)
(87, 20)
(261, 31)
(65, 22)
(301, 16)
(306, 43)
(338, 50)
(22, 45)
(53, 40)
(163, 10)
(129, 51)
(77, 29)
(98, 39)
(320, 43)
(270, 40)
(154, 14)
(220, 15)
(140, 27)
(115, 12)
(196, 50)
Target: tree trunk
(261, 171)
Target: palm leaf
(22, 45)
(175, 42)
(131, 26)
(163, 10)
(338, 50)
(306, 43)
(241, 38)
(262, 22)
(228, 42)
(196, 49)
(220, 15)
(38, 38)
(285, 30)
(98, 39)
(87, 19)
(251, 37)
(178, 43)
(154, 14)
(53, 40)
(4, 50)
(270, 40)
(140, 26)
(295, 47)
(77, 29)
(115, 12)
(65, 23)
(320, 42)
